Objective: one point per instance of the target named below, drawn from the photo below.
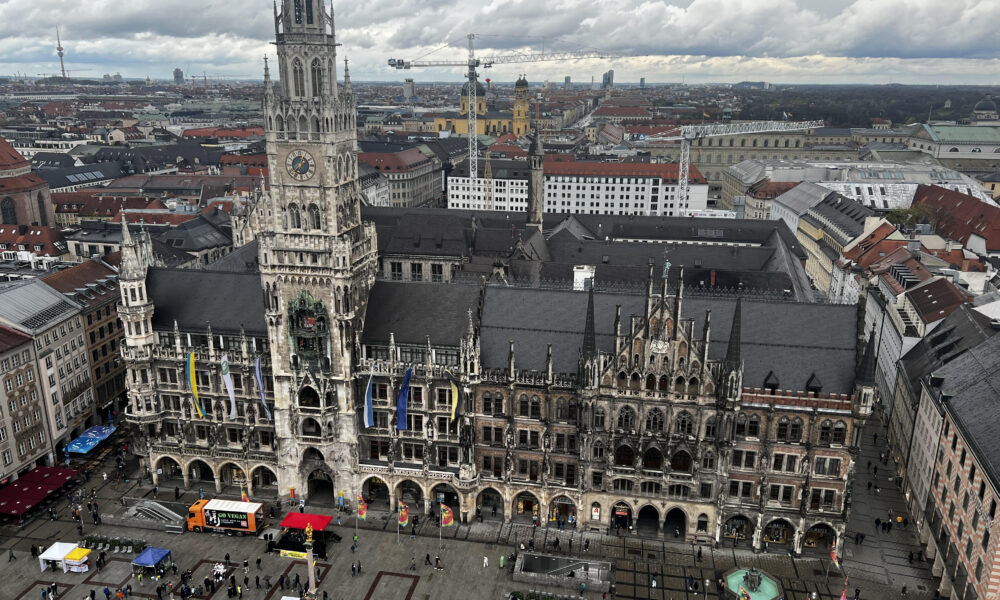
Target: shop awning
(151, 557)
(90, 439)
(297, 520)
(77, 554)
(32, 488)
(56, 553)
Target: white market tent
(56, 553)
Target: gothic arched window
(314, 217)
(8, 211)
(654, 420)
(309, 12)
(294, 218)
(298, 78)
(684, 424)
(317, 76)
(626, 418)
(298, 11)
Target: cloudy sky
(795, 41)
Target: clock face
(300, 165)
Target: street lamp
(707, 583)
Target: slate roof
(973, 383)
(200, 233)
(412, 311)
(242, 260)
(196, 298)
(33, 306)
(959, 331)
(794, 340)
(86, 175)
(12, 338)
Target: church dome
(480, 89)
(985, 105)
(522, 82)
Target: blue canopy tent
(153, 559)
(89, 439)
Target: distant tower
(536, 182)
(642, 83)
(59, 51)
(178, 77)
(522, 107)
(568, 83)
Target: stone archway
(376, 492)
(444, 493)
(779, 531)
(526, 507)
(820, 538)
(263, 479)
(232, 474)
(621, 516)
(410, 493)
(199, 470)
(319, 487)
(740, 530)
(675, 523)
(489, 504)
(167, 468)
(562, 511)
(647, 522)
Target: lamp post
(707, 583)
(310, 569)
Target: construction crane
(486, 62)
(690, 133)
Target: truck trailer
(226, 516)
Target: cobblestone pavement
(878, 567)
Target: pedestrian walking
(878, 523)
(501, 561)
(857, 594)
(359, 567)
(257, 581)
(246, 565)
(355, 539)
(105, 479)
(869, 487)
(911, 558)
(10, 556)
(258, 563)
(413, 563)
(427, 559)
(177, 492)
(354, 570)
(227, 559)
(875, 439)
(875, 472)
(486, 561)
(699, 553)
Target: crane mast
(472, 63)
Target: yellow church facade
(489, 122)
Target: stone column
(156, 477)
(187, 478)
(218, 485)
(946, 586)
(931, 551)
(938, 567)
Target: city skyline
(783, 41)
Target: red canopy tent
(297, 520)
(32, 488)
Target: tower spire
(866, 370)
(59, 51)
(590, 329)
(347, 77)
(733, 360)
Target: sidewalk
(882, 557)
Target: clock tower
(317, 258)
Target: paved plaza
(879, 567)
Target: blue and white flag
(260, 386)
(404, 396)
(369, 409)
(228, 380)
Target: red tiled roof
(10, 158)
(68, 281)
(508, 150)
(600, 169)
(12, 338)
(256, 160)
(109, 206)
(959, 216)
(936, 300)
(47, 237)
(225, 132)
(22, 183)
(612, 111)
(154, 218)
(766, 188)
(78, 197)
(393, 161)
(506, 138)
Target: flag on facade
(454, 394)
(833, 556)
(404, 515)
(243, 493)
(402, 399)
(228, 380)
(447, 516)
(362, 508)
(260, 386)
(192, 381)
(369, 409)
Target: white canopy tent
(56, 553)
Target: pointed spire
(618, 328)
(347, 76)
(590, 329)
(733, 360)
(678, 300)
(548, 364)
(126, 235)
(649, 295)
(866, 370)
